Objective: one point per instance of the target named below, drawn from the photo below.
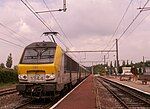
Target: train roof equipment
(41, 44)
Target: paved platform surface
(82, 97)
(134, 84)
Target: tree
(131, 63)
(9, 61)
(15, 68)
(118, 64)
(120, 70)
(147, 63)
(123, 63)
(2, 65)
(106, 64)
(127, 62)
(99, 69)
(115, 64)
(111, 64)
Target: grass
(6, 85)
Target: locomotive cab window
(38, 55)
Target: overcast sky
(89, 25)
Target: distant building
(147, 71)
(126, 71)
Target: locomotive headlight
(23, 77)
(50, 76)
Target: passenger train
(46, 70)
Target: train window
(38, 55)
(70, 65)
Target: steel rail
(124, 90)
(8, 91)
(127, 90)
(22, 105)
(122, 103)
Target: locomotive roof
(41, 44)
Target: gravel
(104, 99)
(10, 101)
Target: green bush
(8, 76)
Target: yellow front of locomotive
(38, 70)
(33, 73)
(36, 73)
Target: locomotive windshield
(38, 55)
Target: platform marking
(67, 94)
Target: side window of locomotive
(38, 55)
(65, 64)
(70, 65)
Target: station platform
(132, 84)
(82, 97)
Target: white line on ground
(67, 95)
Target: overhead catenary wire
(57, 23)
(110, 50)
(37, 15)
(131, 22)
(12, 37)
(59, 26)
(108, 44)
(12, 31)
(11, 43)
(41, 20)
(139, 1)
(119, 23)
(137, 25)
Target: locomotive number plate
(36, 77)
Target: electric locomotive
(46, 70)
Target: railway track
(41, 104)
(128, 98)
(22, 105)
(34, 104)
(7, 91)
